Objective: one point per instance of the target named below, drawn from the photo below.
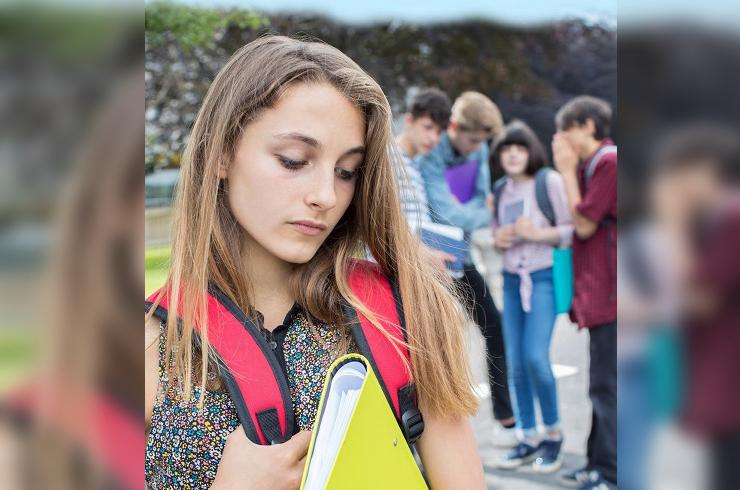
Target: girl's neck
(519, 178)
(269, 277)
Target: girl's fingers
(298, 445)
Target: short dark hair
(580, 109)
(700, 143)
(432, 103)
(518, 133)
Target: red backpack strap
(111, 436)
(381, 296)
(249, 369)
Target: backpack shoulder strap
(249, 368)
(542, 195)
(111, 436)
(381, 296)
(498, 190)
(591, 166)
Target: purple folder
(461, 179)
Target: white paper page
(348, 399)
(330, 413)
(344, 391)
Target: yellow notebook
(356, 441)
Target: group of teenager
(290, 211)
(449, 152)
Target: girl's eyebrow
(313, 142)
(303, 138)
(357, 150)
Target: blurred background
(90, 89)
(71, 244)
(679, 268)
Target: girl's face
(294, 172)
(514, 159)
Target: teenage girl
(526, 239)
(286, 181)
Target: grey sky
(518, 12)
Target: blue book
(448, 239)
(513, 212)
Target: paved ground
(569, 354)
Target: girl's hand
(525, 229)
(245, 465)
(503, 237)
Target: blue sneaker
(550, 458)
(584, 479)
(521, 454)
(574, 478)
(597, 484)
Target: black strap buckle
(270, 426)
(412, 424)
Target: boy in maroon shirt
(587, 159)
(697, 189)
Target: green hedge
(156, 263)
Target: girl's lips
(309, 229)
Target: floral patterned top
(185, 443)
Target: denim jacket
(443, 206)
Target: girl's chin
(297, 258)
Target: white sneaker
(505, 438)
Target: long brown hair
(207, 238)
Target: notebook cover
(458, 248)
(461, 179)
(373, 453)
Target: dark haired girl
(526, 237)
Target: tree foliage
(195, 27)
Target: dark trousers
(725, 454)
(602, 441)
(480, 303)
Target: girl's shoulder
(554, 180)
(552, 175)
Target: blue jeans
(527, 338)
(635, 423)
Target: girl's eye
(291, 164)
(345, 174)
